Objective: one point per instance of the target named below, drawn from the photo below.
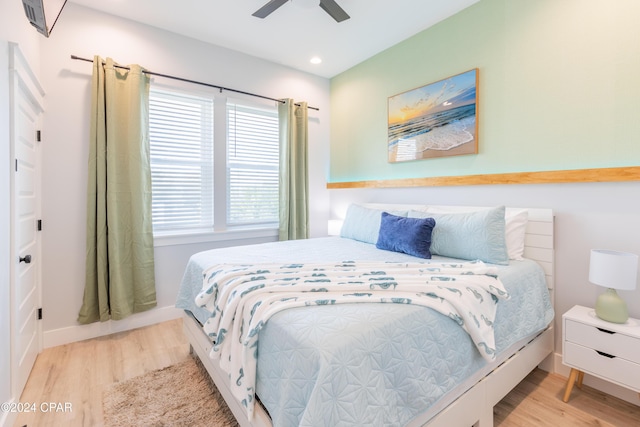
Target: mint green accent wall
(559, 88)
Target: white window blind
(252, 165)
(181, 140)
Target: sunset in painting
(435, 120)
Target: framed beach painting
(436, 120)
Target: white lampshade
(334, 227)
(613, 269)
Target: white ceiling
(296, 31)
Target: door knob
(26, 259)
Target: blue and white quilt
(368, 364)
(242, 298)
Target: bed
(332, 361)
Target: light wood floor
(78, 373)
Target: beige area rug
(179, 395)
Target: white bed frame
(473, 407)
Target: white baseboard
(71, 334)
(594, 382)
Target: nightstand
(610, 351)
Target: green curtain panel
(120, 276)
(294, 180)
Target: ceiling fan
(329, 6)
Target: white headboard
(539, 243)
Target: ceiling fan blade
(332, 8)
(268, 8)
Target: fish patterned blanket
(242, 298)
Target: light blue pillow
(469, 235)
(407, 235)
(363, 224)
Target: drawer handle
(605, 354)
(605, 331)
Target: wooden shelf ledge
(620, 174)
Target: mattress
(369, 364)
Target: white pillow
(515, 227)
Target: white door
(26, 111)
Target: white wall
(587, 216)
(84, 32)
(14, 27)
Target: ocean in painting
(442, 130)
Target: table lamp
(613, 270)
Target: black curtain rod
(221, 88)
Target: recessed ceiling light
(315, 60)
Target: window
(181, 140)
(252, 165)
(182, 144)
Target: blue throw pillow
(469, 235)
(407, 235)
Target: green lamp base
(612, 308)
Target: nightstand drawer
(615, 369)
(615, 344)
